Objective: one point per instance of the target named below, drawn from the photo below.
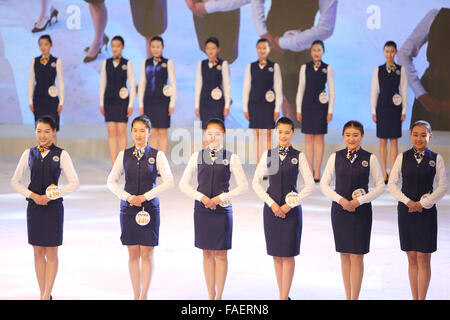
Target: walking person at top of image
(43, 96)
(283, 214)
(139, 205)
(289, 27)
(45, 211)
(432, 91)
(213, 211)
(262, 97)
(315, 105)
(417, 169)
(158, 93)
(212, 86)
(99, 16)
(45, 17)
(116, 100)
(351, 210)
(389, 104)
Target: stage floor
(94, 265)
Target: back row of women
(351, 210)
(261, 99)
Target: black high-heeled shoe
(53, 14)
(105, 43)
(88, 59)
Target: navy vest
(140, 175)
(156, 76)
(285, 179)
(262, 81)
(352, 176)
(213, 178)
(388, 84)
(315, 83)
(116, 78)
(211, 78)
(44, 171)
(417, 179)
(45, 76)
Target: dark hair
(285, 120)
(390, 44)
(354, 124)
(144, 119)
(118, 38)
(421, 123)
(262, 40)
(319, 42)
(48, 120)
(157, 38)
(216, 121)
(212, 40)
(45, 36)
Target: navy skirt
(116, 110)
(314, 118)
(261, 115)
(45, 224)
(210, 109)
(157, 109)
(389, 123)
(417, 231)
(352, 229)
(283, 235)
(213, 228)
(46, 106)
(135, 234)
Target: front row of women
(351, 211)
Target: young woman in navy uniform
(351, 210)
(42, 92)
(418, 168)
(315, 106)
(213, 212)
(389, 104)
(282, 208)
(262, 97)
(139, 207)
(45, 211)
(212, 87)
(116, 100)
(156, 97)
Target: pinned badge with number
(53, 192)
(225, 204)
(53, 64)
(323, 97)
(270, 96)
(397, 99)
(292, 199)
(52, 91)
(358, 193)
(167, 90)
(142, 217)
(426, 195)
(216, 93)
(123, 93)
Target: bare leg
(221, 271)
(44, 14)
(134, 253)
(288, 109)
(346, 267)
(39, 266)
(269, 138)
(383, 157)
(112, 140)
(309, 150)
(318, 152)
(393, 153)
(413, 271)
(99, 17)
(257, 144)
(55, 139)
(164, 140)
(147, 47)
(357, 272)
(153, 140)
(424, 274)
(51, 269)
(278, 263)
(209, 267)
(122, 138)
(288, 275)
(146, 270)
